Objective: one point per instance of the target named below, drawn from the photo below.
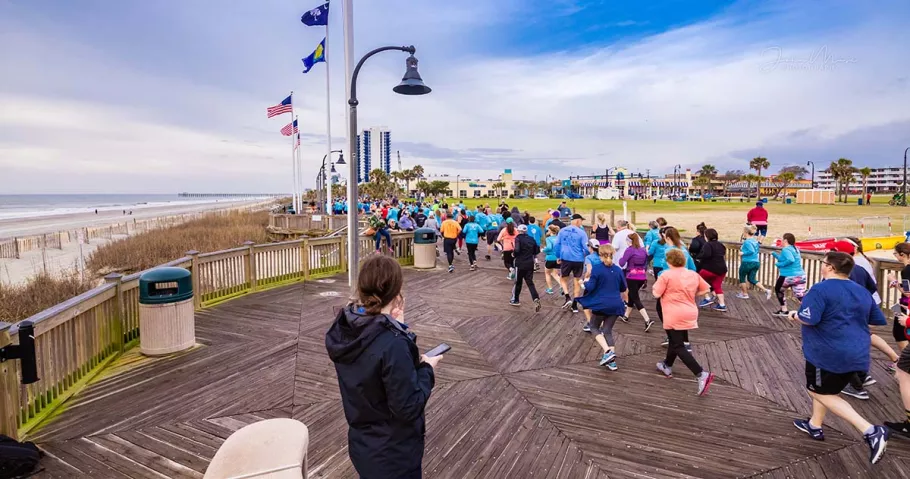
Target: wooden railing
(76, 339)
(811, 262)
(307, 222)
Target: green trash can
(789, 200)
(166, 312)
(859, 201)
(424, 248)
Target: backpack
(17, 459)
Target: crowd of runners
(601, 272)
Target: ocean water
(27, 206)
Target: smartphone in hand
(438, 350)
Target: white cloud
(692, 94)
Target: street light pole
(810, 162)
(904, 187)
(411, 84)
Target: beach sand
(49, 224)
(67, 259)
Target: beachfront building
(374, 150)
(882, 180)
(504, 185)
(657, 187)
(769, 187)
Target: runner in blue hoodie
(573, 247)
(551, 267)
(472, 232)
(792, 274)
(535, 232)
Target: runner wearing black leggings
(635, 262)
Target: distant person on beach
(385, 382)
(758, 216)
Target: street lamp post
(904, 187)
(810, 162)
(411, 84)
(327, 181)
(457, 195)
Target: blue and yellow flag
(317, 56)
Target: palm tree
(865, 173)
(498, 187)
(701, 182)
(708, 170)
(845, 170)
(783, 180)
(759, 163)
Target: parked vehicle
(571, 196)
(607, 194)
(541, 196)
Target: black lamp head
(411, 84)
(333, 168)
(340, 159)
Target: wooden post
(60, 240)
(250, 265)
(593, 216)
(119, 314)
(16, 247)
(612, 217)
(197, 291)
(85, 230)
(343, 251)
(9, 390)
(305, 258)
(632, 217)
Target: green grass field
(879, 207)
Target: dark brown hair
(379, 283)
(841, 262)
(711, 234)
(701, 228)
(661, 221)
(902, 248)
(789, 238)
(636, 240)
(672, 236)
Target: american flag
(298, 141)
(287, 130)
(284, 107)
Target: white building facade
(882, 180)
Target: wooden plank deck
(519, 396)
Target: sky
(160, 97)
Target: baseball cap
(577, 216)
(844, 246)
(594, 243)
(523, 228)
(509, 220)
(759, 203)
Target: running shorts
(491, 237)
(761, 230)
(551, 265)
(824, 382)
(571, 268)
(903, 362)
(797, 284)
(748, 271)
(899, 332)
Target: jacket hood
(515, 210)
(352, 333)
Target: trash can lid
(165, 285)
(167, 273)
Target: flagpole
(353, 199)
(328, 123)
(297, 182)
(293, 160)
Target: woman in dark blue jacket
(606, 296)
(385, 382)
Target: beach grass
(211, 233)
(21, 300)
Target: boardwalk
(520, 395)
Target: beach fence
(75, 340)
(15, 247)
(865, 227)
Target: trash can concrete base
(166, 328)
(424, 256)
